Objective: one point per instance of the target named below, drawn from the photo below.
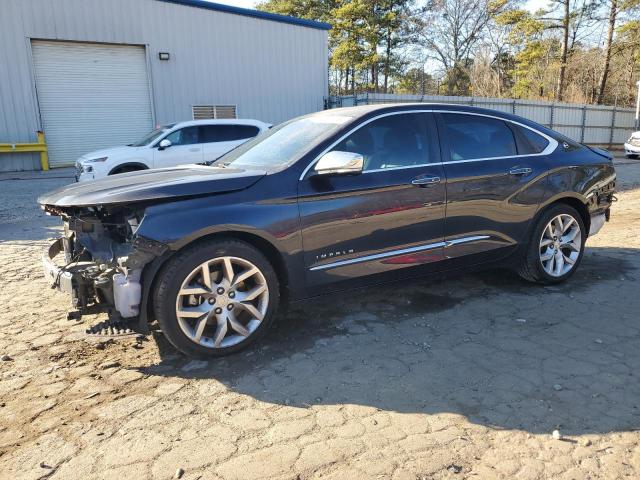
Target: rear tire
(556, 246)
(223, 314)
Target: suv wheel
(216, 298)
(126, 169)
(556, 248)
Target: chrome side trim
(395, 253)
(553, 143)
(489, 158)
(378, 256)
(390, 169)
(466, 240)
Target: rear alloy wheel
(556, 248)
(560, 245)
(215, 299)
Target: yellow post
(44, 158)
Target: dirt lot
(463, 378)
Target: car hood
(124, 150)
(159, 184)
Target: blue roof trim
(251, 13)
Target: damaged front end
(100, 260)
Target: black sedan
(333, 200)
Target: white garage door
(91, 96)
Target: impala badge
(337, 253)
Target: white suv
(195, 141)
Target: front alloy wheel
(216, 298)
(222, 302)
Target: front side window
(184, 136)
(390, 142)
(227, 133)
(474, 136)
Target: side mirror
(164, 143)
(340, 163)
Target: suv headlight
(95, 160)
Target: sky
(532, 5)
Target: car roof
(359, 112)
(222, 121)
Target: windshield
(151, 136)
(284, 144)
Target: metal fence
(591, 124)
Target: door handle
(196, 149)
(520, 171)
(425, 181)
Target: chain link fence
(591, 124)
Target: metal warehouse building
(100, 73)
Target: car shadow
(500, 351)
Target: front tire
(556, 246)
(126, 169)
(216, 298)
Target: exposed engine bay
(100, 259)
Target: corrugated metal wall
(592, 124)
(271, 70)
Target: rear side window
(227, 133)
(529, 142)
(473, 136)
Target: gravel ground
(463, 378)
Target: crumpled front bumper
(74, 278)
(96, 288)
(597, 222)
(57, 277)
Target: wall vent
(203, 112)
